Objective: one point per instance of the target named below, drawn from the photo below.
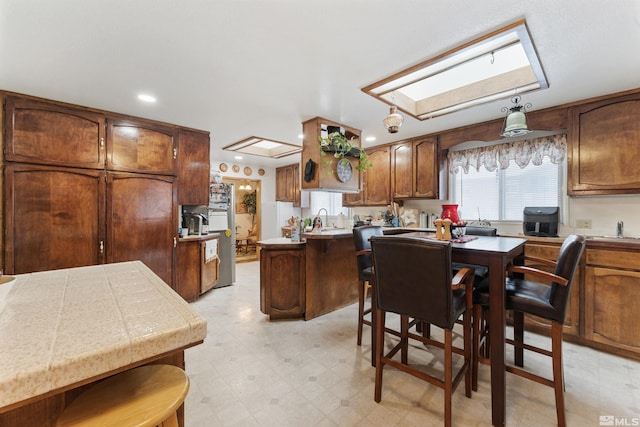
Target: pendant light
(394, 120)
(515, 122)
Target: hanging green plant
(339, 146)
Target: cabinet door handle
(101, 142)
(175, 153)
(175, 242)
(101, 246)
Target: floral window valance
(521, 152)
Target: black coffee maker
(541, 221)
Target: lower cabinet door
(54, 218)
(282, 286)
(141, 221)
(611, 317)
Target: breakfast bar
(310, 278)
(62, 330)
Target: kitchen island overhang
(63, 329)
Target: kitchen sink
(615, 238)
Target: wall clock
(345, 170)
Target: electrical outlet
(583, 223)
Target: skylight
(497, 65)
(264, 147)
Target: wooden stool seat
(144, 396)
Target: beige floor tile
(253, 372)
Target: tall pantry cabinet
(85, 187)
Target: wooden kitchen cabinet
(53, 134)
(142, 221)
(285, 183)
(84, 186)
(414, 169)
(193, 167)
(195, 273)
(550, 251)
(54, 218)
(141, 146)
(612, 293)
(375, 181)
(326, 176)
(376, 178)
(282, 281)
(604, 145)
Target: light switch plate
(583, 223)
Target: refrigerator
(222, 218)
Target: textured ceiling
(239, 68)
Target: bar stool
(146, 396)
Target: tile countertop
(62, 327)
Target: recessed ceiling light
(370, 138)
(238, 157)
(147, 98)
(300, 136)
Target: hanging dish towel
(211, 250)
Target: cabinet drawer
(614, 259)
(542, 251)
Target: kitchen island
(62, 330)
(310, 278)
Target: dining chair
(413, 279)
(539, 293)
(481, 271)
(361, 236)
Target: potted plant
(341, 147)
(249, 200)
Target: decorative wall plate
(260, 171)
(345, 170)
(235, 168)
(247, 170)
(223, 167)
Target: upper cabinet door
(604, 147)
(193, 168)
(401, 171)
(137, 146)
(377, 178)
(47, 133)
(425, 168)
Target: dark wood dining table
(494, 253)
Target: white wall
(603, 211)
(267, 193)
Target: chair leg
(477, 325)
(448, 376)
(518, 338)
(404, 339)
(466, 335)
(558, 374)
(380, 318)
(361, 298)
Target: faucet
(326, 216)
(620, 229)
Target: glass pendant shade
(515, 123)
(393, 121)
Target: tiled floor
(253, 372)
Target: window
(496, 181)
(332, 202)
(503, 193)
